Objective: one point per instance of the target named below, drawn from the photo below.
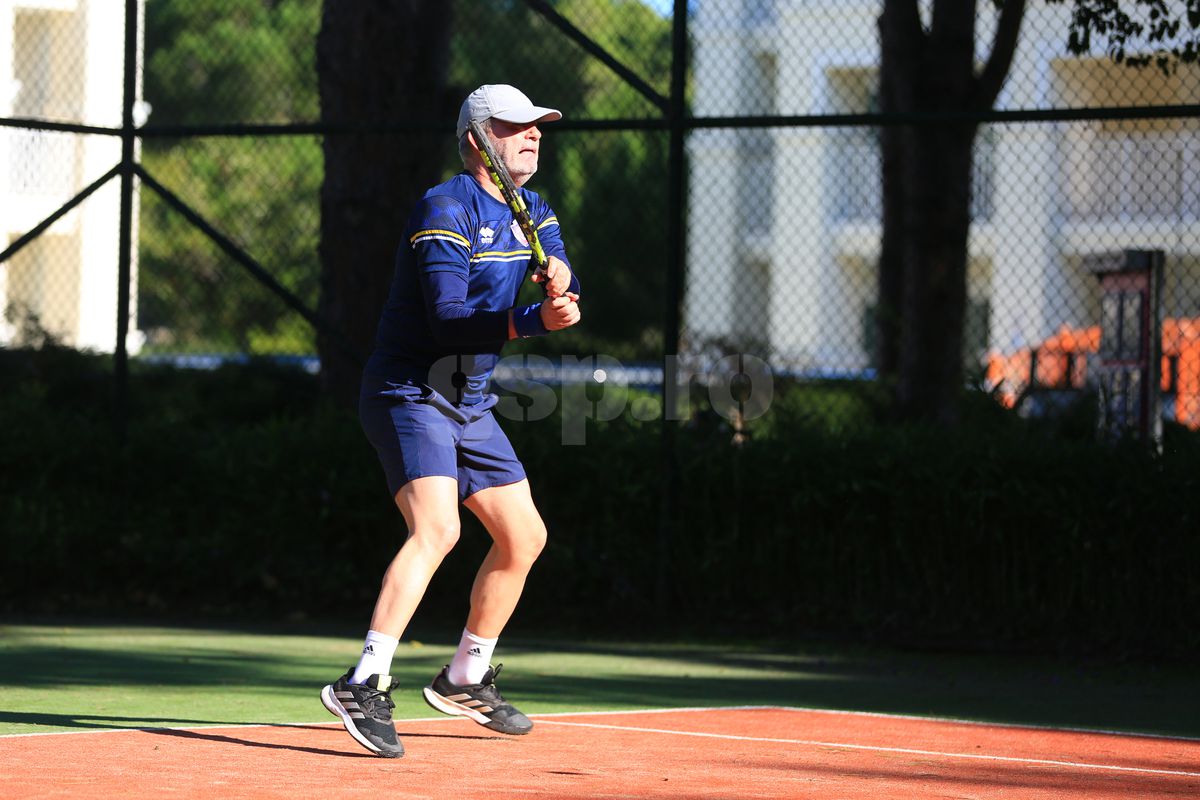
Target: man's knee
(437, 538)
(528, 544)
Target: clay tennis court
(690, 753)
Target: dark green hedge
(239, 492)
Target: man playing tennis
(425, 408)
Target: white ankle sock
(376, 657)
(472, 659)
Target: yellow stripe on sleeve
(437, 233)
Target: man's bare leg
(361, 697)
(518, 536)
(430, 509)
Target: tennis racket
(511, 194)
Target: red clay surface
(725, 753)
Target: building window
(856, 161)
(1121, 170)
(751, 310)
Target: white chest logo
(486, 235)
(520, 234)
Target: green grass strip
(95, 677)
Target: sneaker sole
(439, 703)
(334, 707)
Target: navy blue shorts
(417, 433)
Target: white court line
(884, 715)
(802, 742)
(877, 749)
(547, 717)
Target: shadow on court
(95, 721)
(222, 677)
(209, 736)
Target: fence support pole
(676, 177)
(125, 246)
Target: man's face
(517, 145)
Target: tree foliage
(226, 61)
(255, 61)
(1140, 33)
(220, 62)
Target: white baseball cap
(503, 102)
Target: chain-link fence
(795, 224)
(778, 191)
(62, 66)
(789, 267)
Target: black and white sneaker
(478, 701)
(366, 711)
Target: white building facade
(61, 61)
(786, 260)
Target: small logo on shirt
(486, 235)
(520, 234)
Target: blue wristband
(527, 321)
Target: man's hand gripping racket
(512, 196)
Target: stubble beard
(521, 174)
(520, 167)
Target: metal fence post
(676, 175)
(125, 246)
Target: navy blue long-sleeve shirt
(457, 274)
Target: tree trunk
(936, 202)
(926, 207)
(379, 63)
